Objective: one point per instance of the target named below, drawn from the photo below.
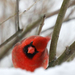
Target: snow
(67, 68)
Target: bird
(31, 53)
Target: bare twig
(9, 39)
(13, 41)
(29, 7)
(17, 15)
(20, 13)
(7, 19)
(55, 36)
(41, 25)
(69, 19)
(69, 14)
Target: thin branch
(7, 19)
(69, 19)
(9, 39)
(29, 7)
(69, 14)
(55, 36)
(20, 13)
(41, 25)
(13, 41)
(17, 15)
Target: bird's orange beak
(31, 50)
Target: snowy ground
(65, 69)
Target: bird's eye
(31, 43)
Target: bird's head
(35, 44)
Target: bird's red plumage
(40, 59)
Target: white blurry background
(66, 37)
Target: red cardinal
(31, 53)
